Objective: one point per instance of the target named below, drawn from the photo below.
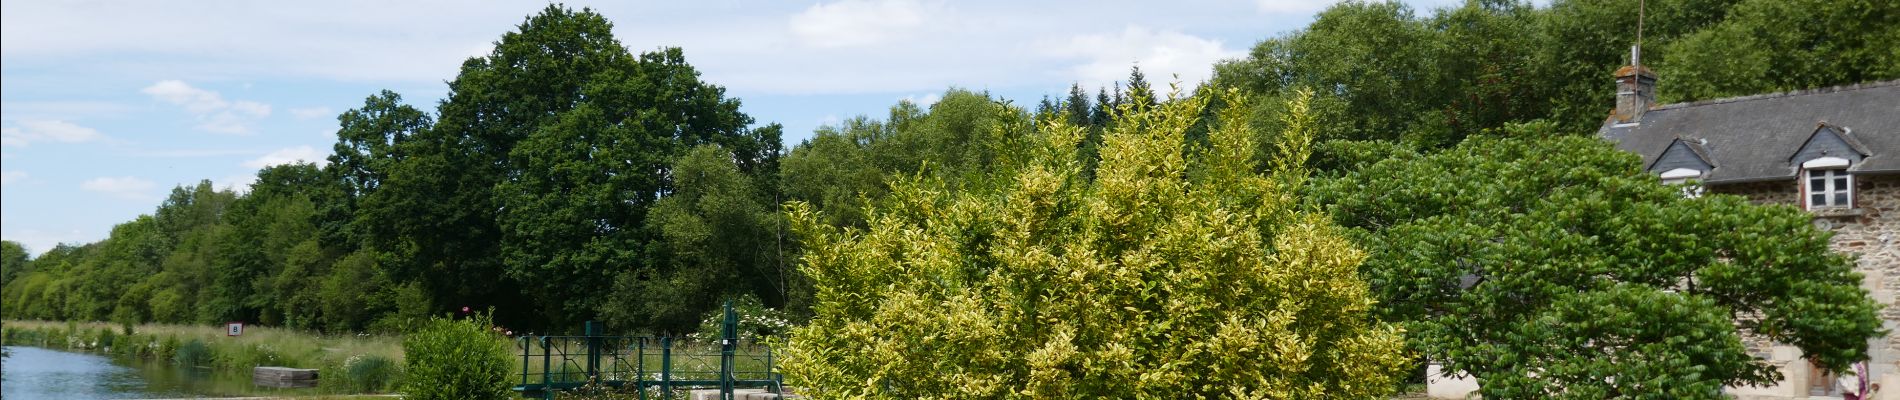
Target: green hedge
(457, 359)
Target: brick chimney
(1635, 91)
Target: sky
(106, 106)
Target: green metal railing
(550, 364)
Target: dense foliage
(1170, 275)
(457, 359)
(1392, 74)
(1553, 267)
(560, 168)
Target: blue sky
(105, 106)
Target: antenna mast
(1636, 53)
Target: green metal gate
(644, 363)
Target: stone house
(1834, 152)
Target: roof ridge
(1791, 93)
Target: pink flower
(464, 309)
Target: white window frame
(1689, 179)
(1836, 183)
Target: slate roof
(1751, 138)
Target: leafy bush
(164, 350)
(369, 373)
(192, 353)
(755, 320)
(412, 306)
(106, 337)
(451, 359)
(1170, 274)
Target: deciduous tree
(1553, 267)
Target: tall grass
(207, 346)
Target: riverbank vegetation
(347, 363)
(566, 178)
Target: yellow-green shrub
(1172, 274)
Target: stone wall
(1869, 231)
(1770, 192)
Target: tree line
(565, 178)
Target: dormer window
(1689, 179)
(1827, 183)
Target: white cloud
(236, 183)
(9, 177)
(225, 123)
(31, 131)
(924, 100)
(226, 38)
(214, 113)
(1162, 55)
(181, 94)
(852, 23)
(252, 108)
(289, 156)
(125, 187)
(310, 112)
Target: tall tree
(1139, 90)
(1767, 46)
(437, 208)
(834, 171)
(276, 230)
(1099, 114)
(1077, 106)
(575, 208)
(715, 241)
(1373, 65)
(13, 261)
(368, 138)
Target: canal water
(29, 373)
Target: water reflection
(36, 373)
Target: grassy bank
(347, 364)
